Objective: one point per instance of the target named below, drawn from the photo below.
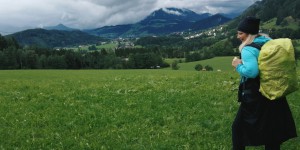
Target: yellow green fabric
(277, 66)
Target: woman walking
(259, 121)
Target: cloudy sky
(86, 14)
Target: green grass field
(217, 63)
(107, 46)
(291, 24)
(121, 109)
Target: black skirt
(260, 121)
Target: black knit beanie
(249, 25)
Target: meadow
(217, 63)
(290, 24)
(121, 109)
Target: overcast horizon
(16, 15)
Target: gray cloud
(83, 14)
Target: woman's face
(242, 36)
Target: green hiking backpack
(277, 68)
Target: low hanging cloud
(85, 14)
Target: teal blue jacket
(249, 66)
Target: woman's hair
(250, 39)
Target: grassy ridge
(120, 109)
(290, 24)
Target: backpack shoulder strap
(257, 46)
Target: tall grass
(120, 109)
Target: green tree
(92, 47)
(193, 57)
(56, 62)
(42, 62)
(3, 43)
(31, 59)
(223, 48)
(113, 62)
(12, 42)
(10, 58)
(103, 52)
(73, 59)
(21, 58)
(144, 61)
(174, 65)
(208, 68)
(198, 67)
(2, 60)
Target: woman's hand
(236, 62)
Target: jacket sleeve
(249, 66)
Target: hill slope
(54, 38)
(267, 10)
(212, 21)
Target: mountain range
(276, 15)
(160, 22)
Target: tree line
(150, 55)
(13, 56)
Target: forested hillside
(284, 13)
(54, 38)
(280, 9)
(212, 21)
